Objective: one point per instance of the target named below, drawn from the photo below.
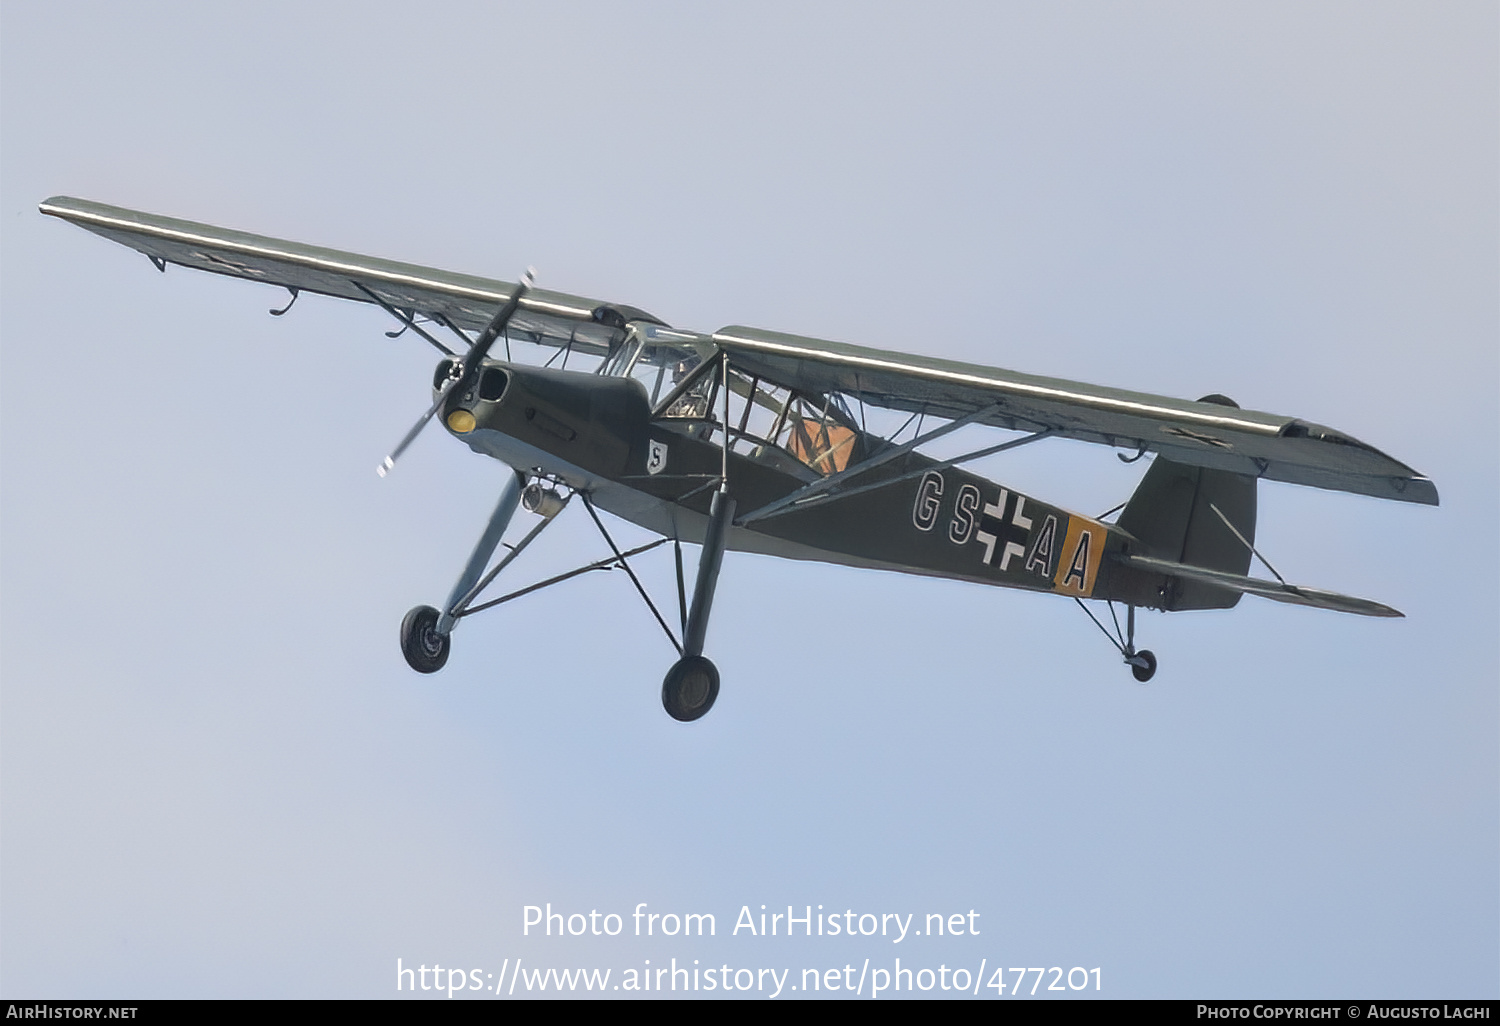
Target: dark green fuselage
(598, 433)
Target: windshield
(659, 358)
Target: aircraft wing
(1196, 433)
(551, 318)
(1293, 593)
(1202, 434)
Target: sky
(218, 778)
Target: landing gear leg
(425, 631)
(1143, 663)
(692, 684)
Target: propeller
(463, 371)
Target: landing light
(461, 421)
(542, 500)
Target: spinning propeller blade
(465, 369)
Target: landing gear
(425, 649)
(690, 687)
(1142, 665)
(692, 684)
(425, 631)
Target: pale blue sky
(219, 778)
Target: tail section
(1185, 557)
(1169, 516)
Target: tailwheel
(690, 687)
(425, 649)
(1143, 665)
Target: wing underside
(547, 317)
(1197, 433)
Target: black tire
(690, 688)
(425, 649)
(1144, 673)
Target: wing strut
(818, 487)
(844, 493)
(409, 322)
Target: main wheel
(425, 649)
(690, 688)
(1144, 673)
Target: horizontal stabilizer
(1265, 589)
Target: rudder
(1169, 515)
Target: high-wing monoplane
(756, 441)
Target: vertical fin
(1171, 514)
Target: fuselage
(658, 468)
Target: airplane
(757, 441)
